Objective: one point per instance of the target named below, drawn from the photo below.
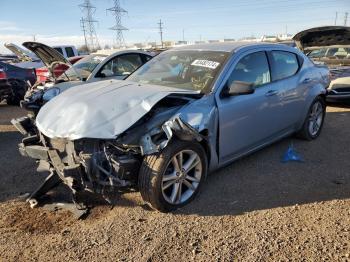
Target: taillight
(42, 72)
(2, 75)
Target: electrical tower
(346, 18)
(118, 12)
(161, 31)
(87, 24)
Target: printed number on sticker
(206, 63)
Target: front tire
(172, 178)
(314, 120)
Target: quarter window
(253, 69)
(285, 64)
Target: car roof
(110, 52)
(224, 47)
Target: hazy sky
(56, 22)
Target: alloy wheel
(316, 118)
(182, 177)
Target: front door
(247, 121)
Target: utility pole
(336, 18)
(118, 12)
(87, 24)
(183, 35)
(346, 18)
(161, 31)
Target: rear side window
(59, 50)
(69, 51)
(284, 64)
(253, 69)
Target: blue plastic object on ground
(291, 155)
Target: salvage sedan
(185, 113)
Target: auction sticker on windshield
(205, 63)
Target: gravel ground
(256, 209)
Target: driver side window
(121, 65)
(252, 69)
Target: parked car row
(176, 117)
(50, 69)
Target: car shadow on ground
(256, 182)
(261, 181)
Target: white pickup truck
(67, 50)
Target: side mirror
(240, 88)
(106, 73)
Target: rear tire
(314, 120)
(165, 185)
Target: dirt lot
(256, 209)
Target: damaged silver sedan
(185, 113)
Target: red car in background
(42, 73)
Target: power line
(270, 5)
(161, 31)
(118, 12)
(87, 24)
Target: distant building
(249, 39)
(284, 37)
(269, 38)
(182, 43)
(229, 40)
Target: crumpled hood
(323, 37)
(102, 109)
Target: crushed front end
(91, 165)
(102, 166)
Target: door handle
(271, 93)
(306, 80)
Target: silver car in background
(92, 68)
(187, 112)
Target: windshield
(83, 67)
(186, 69)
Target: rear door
(285, 67)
